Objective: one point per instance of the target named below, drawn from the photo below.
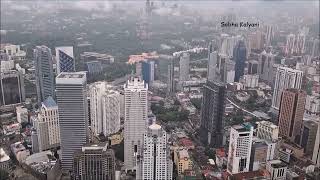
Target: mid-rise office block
(94, 162)
(44, 73)
(47, 125)
(212, 112)
(267, 130)
(308, 136)
(22, 114)
(136, 113)
(12, 89)
(291, 114)
(240, 148)
(285, 78)
(65, 59)
(73, 114)
(277, 169)
(182, 160)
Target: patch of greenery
(169, 114)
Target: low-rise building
(5, 161)
(19, 151)
(277, 169)
(22, 114)
(182, 160)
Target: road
(242, 109)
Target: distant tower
(148, 71)
(265, 68)
(212, 112)
(239, 56)
(171, 83)
(184, 67)
(136, 113)
(212, 63)
(240, 144)
(289, 49)
(73, 114)
(95, 162)
(65, 59)
(285, 78)
(291, 114)
(156, 162)
(299, 46)
(269, 35)
(44, 72)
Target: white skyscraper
(299, 47)
(65, 59)
(240, 148)
(73, 114)
(156, 163)
(136, 113)
(265, 67)
(47, 125)
(212, 62)
(184, 67)
(269, 34)
(104, 109)
(289, 49)
(285, 78)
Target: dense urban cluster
(202, 102)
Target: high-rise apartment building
(267, 130)
(47, 125)
(184, 67)
(156, 163)
(94, 162)
(73, 114)
(265, 67)
(12, 89)
(240, 148)
(289, 49)
(65, 59)
(104, 109)
(44, 73)
(212, 112)
(148, 71)
(239, 56)
(299, 47)
(269, 34)
(227, 44)
(291, 114)
(285, 78)
(136, 113)
(212, 63)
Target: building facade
(265, 67)
(291, 114)
(148, 71)
(44, 73)
(47, 125)
(212, 112)
(73, 114)
(156, 162)
(65, 59)
(212, 62)
(94, 162)
(184, 67)
(285, 78)
(136, 113)
(267, 130)
(12, 89)
(240, 57)
(240, 144)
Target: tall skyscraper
(94, 162)
(104, 109)
(44, 73)
(240, 148)
(256, 40)
(73, 114)
(265, 67)
(47, 125)
(65, 59)
(212, 63)
(222, 68)
(171, 82)
(291, 114)
(285, 78)
(148, 71)
(212, 112)
(156, 162)
(227, 44)
(184, 67)
(136, 113)
(299, 47)
(11, 87)
(239, 56)
(316, 149)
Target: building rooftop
(243, 127)
(277, 164)
(155, 126)
(183, 153)
(71, 75)
(3, 156)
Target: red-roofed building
(260, 174)
(221, 158)
(187, 143)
